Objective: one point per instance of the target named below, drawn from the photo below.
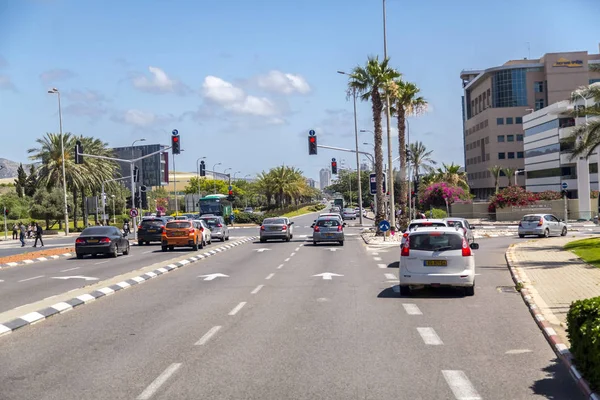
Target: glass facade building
(509, 88)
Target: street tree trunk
(377, 107)
(403, 178)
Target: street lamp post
(235, 173)
(62, 151)
(215, 178)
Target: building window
(519, 120)
(510, 88)
(540, 151)
(544, 173)
(566, 146)
(500, 138)
(499, 121)
(566, 122)
(487, 139)
(520, 154)
(510, 138)
(511, 155)
(538, 87)
(519, 137)
(502, 173)
(509, 120)
(546, 126)
(539, 104)
(593, 168)
(501, 156)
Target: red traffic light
(231, 192)
(175, 139)
(312, 139)
(334, 164)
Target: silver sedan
(276, 228)
(328, 230)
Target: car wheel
(195, 246)
(287, 239)
(564, 232)
(171, 248)
(140, 243)
(263, 240)
(115, 252)
(210, 240)
(79, 256)
(341, 242)
(521, 236)
(314, 243)
(547, 233)
(227, 238)
(470, 290)
(126, 251)
(404, 290)
(163, 248)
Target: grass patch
(300, 211)
(587, 249)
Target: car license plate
(178, 233)
(151, 230)
(274, 228)
(329, 235)
(435, 263)
(92, 241)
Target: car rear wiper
(443, 248)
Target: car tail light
(317, 229)
(405, 251)
(262, 227)
(219, 225)
(284, 228)
(426, 224)
(340, 228)
(80, 240)
(105, 240)
(405, 235)
(191, 231)
(163, 230)
(466, 250)
(541, 222)
(139, 227)
(435, 234)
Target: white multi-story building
(324, 178)
(311, 182)
(548, 163)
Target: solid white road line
(280, 266)
(460, 385)
(70, 269)
(411, 309)
(429, 336)
(257, 289)
(270, 276)
(237, 308)
(158, 382)
(382, 265)
(286, 260)
(377, 258)
(30, 279)
(208, 335)
(101, 262)
(390, 276)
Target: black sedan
(101, 240)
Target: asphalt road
(274, 328)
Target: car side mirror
(292, 223)
(474, 246)
(560, 220)
(312, 226)
(344, 224)
(471, 227)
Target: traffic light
(129, 202)
(334, 167)
(78, 152)
(312, 143)
(202, 168)
(175, 142)
(231, 197)
(136, 174)
(5, 212)
(144, 196)
(138, 200)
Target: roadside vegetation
(587, 249)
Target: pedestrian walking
(231, 218)
(38, 235)
(22, 234)
(15, 231)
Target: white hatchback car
(438, 256)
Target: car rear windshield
(152, 222)
(211, 221)
(420, 224)
(328, 222)
(435, 241)
(531, 218)
(98, 230)
(274, 221)
(178, 225)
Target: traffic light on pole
(334, 167)
(144, 197)
(129, 202)
(136, 174)
(312, 143)
(5, 212)
(175, 142)
(78, 152)
(202, 168)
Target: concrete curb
(561, 350)
(62, 307)
(35, 260)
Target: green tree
(18, 207)
(31, 184)
(48, 206)
(20, 181)
(286, 185)
(453, 175)
(510, 174)
(419, 158)
(585, 138)
(496, 170)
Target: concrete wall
(473, 210)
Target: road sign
(564, 185)
(230, 187)
(373, 184)
(384, 226)
(133, 213)
(175, 132)
(333, 160)
(312, 132)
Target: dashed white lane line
(30, 279)
(382, 265)
(390, 276)
(286, 260)
(149, 251)
(69, 269)
(377, 258)
(375, 254)
(270, 276)
(429, 336)
(280, 266)
(257, 289)
(158, 382)
(292, 255)
(460, 385)
(411, 309)
(101, 262)
(237, 308)
(208, 335)
(297, 248)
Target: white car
(421, 223)
(542, 225)
(206, 233)
(438, 256)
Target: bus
(216, 204)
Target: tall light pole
(114, 215)
(215, 178)
(360, 209)
(389, 132)
(62, 151)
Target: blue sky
(244, 81)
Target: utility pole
(392, 218)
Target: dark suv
(150, 230)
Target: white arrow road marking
(210, 277)
(261, 250)
(327, 275)
(87, 278)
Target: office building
(311, 182)
(153, 170)
(496, 99)
(548, 163)
(324, 178)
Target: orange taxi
(182, 233)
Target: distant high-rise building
(324, 178)
(311, 182)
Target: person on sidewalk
(38, 235)
(15, 230)
(22, 234)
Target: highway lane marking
(375, 254)
(377, 258)
(158, 382)
(411, 309)
(280, 266)
(30, 279)
(237, 308)
(257, 289)
(297, 248)
(292, 255)
(518, 351)
(460, 385)
(270, 276)
(382, 265)
(429, 336)
(286, 260)
(149, 251)
(70, 269)
(390, 276)
(208, 335)
(101, 262)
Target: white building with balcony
(548, 164)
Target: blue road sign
(230, 187)
(373, 184)
(384, 226)
(175, 132)
(564, 185)
(333, 160)
(312, 132)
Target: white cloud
(6, 83)
(57, 74)
(142, 119)
(284, 83)
(234, 99)
(93, 111)
(158, 82)
(85, 96)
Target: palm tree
(420, 159)
(585, 138)
(370, 82)
(510, 174)
(496, 170)
(405, 102)
(453, 176)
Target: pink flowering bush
(512, 196)
(549, 195)
(439, 194)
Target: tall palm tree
(496, 170)
(453, 176)
(510, 174)
(420, 159)
(405, 102)
(370, 83)
(585, 138)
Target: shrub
(594, 194)
(247, 218)
(317, 207)
(549, 195)
(438, 213)
(511, 196)
(438, 194)
(583, 328)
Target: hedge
(583, 321)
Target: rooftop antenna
(528, 51)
